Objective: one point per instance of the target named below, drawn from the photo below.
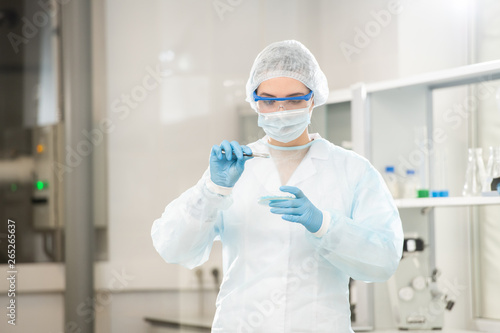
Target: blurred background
(109, 109)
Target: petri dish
(265, 200)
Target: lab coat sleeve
(368, 244)
(185, 232)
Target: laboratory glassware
(481, 171)
(472, 184)
(391, 181)
(494, 172)
(410, 186)
(421, 140)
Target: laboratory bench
(163, 324)
(178, 325)
(425, 331)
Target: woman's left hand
(299, 210)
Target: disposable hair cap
(292, 59)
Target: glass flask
(481, 171)
(494, 169)
(421, 139)
(440, 171)
(489, 166)
(472, 184)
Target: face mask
(285, 126)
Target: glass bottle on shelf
(440, 171)
(410, 186)
(495, 167)
(489, 168)
(391, 181)
(421, 140)
(481, 171)
(489, 165)
(472, 186)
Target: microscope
(417, 300)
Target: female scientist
(286, 261)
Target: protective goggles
(273, 104)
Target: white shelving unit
(383, 118)
(415, 97)
(446, 202)
(339, 96)
(409, 100)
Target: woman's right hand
(226, 168)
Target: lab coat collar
(306, 169)
(319, 148)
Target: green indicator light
(40, 185)
(13, 187)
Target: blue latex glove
(299, 210)
(226, 169)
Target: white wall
(346, 56)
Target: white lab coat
(278, 277)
